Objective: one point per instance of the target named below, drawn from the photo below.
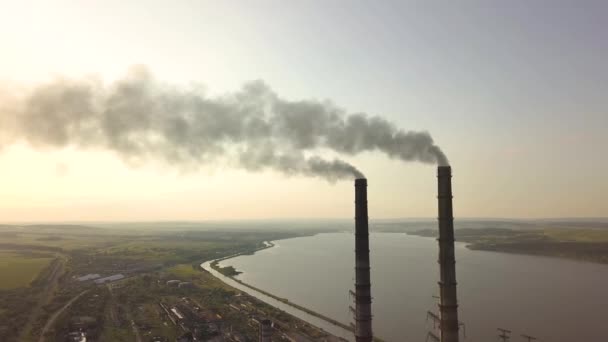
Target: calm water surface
(553, 299)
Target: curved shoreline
(330, 321)
(297, 306)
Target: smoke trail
(139, 117)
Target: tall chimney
(265, 330)
(363, 296)
(448, 308)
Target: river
(316, 321)
(553, 299)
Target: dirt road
(135, 331)
(49, 324)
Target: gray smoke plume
(139, 118)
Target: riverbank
(588, 245)
(524, 294)
(231, 271)
(215, 265)
(299, 307)
(223, 270)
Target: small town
(182, 311)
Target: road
(49, 324)
(45, 297)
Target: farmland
(40, 263)
(20, 269)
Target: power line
(528, 337)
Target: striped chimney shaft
(448, 307)
(363, 297)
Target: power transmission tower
(432, 337)
(464, 329)
(504, 335)
(433, 316)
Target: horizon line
(191, 221)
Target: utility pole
(504, 335)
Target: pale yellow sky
(523, 122)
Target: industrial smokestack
(265, 330)
(448, 307)
(363, 296)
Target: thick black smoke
(139, 117)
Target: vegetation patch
(228, 271)
(20, 269)
(184, 271)
(584, 244)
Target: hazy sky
(513, 91)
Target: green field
(184, 271)
(19, 270)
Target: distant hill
(585, 244)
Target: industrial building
(109, 279)
(90, 276)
